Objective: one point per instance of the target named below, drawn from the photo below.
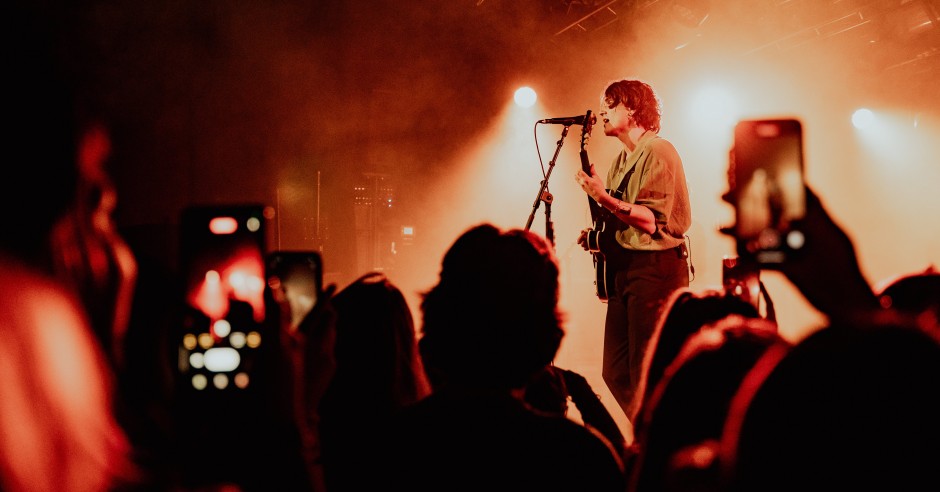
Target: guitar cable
(688, 257)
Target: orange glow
(245, 277)
(210, 297)
(241, 278)
(189, 341)
(205, 340)
(241, 380)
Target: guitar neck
(596, 210)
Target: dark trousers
(643, 282)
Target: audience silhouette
(915, 293)
(307, 320)
(686, 411)
(685, 313)
(378, 372)
(490, 324)
(851, 407)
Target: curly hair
(638, 96)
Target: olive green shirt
(658, 183)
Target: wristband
(622, 207)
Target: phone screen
(741, 279)
(767, 188)
(224, 324)
(228, 405)
(296, 280)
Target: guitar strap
(607, 243)
(622, 189)
(620, 193)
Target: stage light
(525, 97)
(863, 118)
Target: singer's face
(617, 120)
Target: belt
(622, 256)
(681, 251)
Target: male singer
(645, 253)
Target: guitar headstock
(587, 127)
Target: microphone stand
(549, 227)
(544, 195)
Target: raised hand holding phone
(781, 223)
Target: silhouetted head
(850, 407)
(686, 313)
(915, 293)
(492, 321)
(376, 348)
(688, 406)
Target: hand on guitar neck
(592, 184)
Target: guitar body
(603, 282)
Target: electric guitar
(599, 217)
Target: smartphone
(741, 279)
(223, 330)
(229, 393)
(295, 279)
(767, 189)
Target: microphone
(570, 120)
